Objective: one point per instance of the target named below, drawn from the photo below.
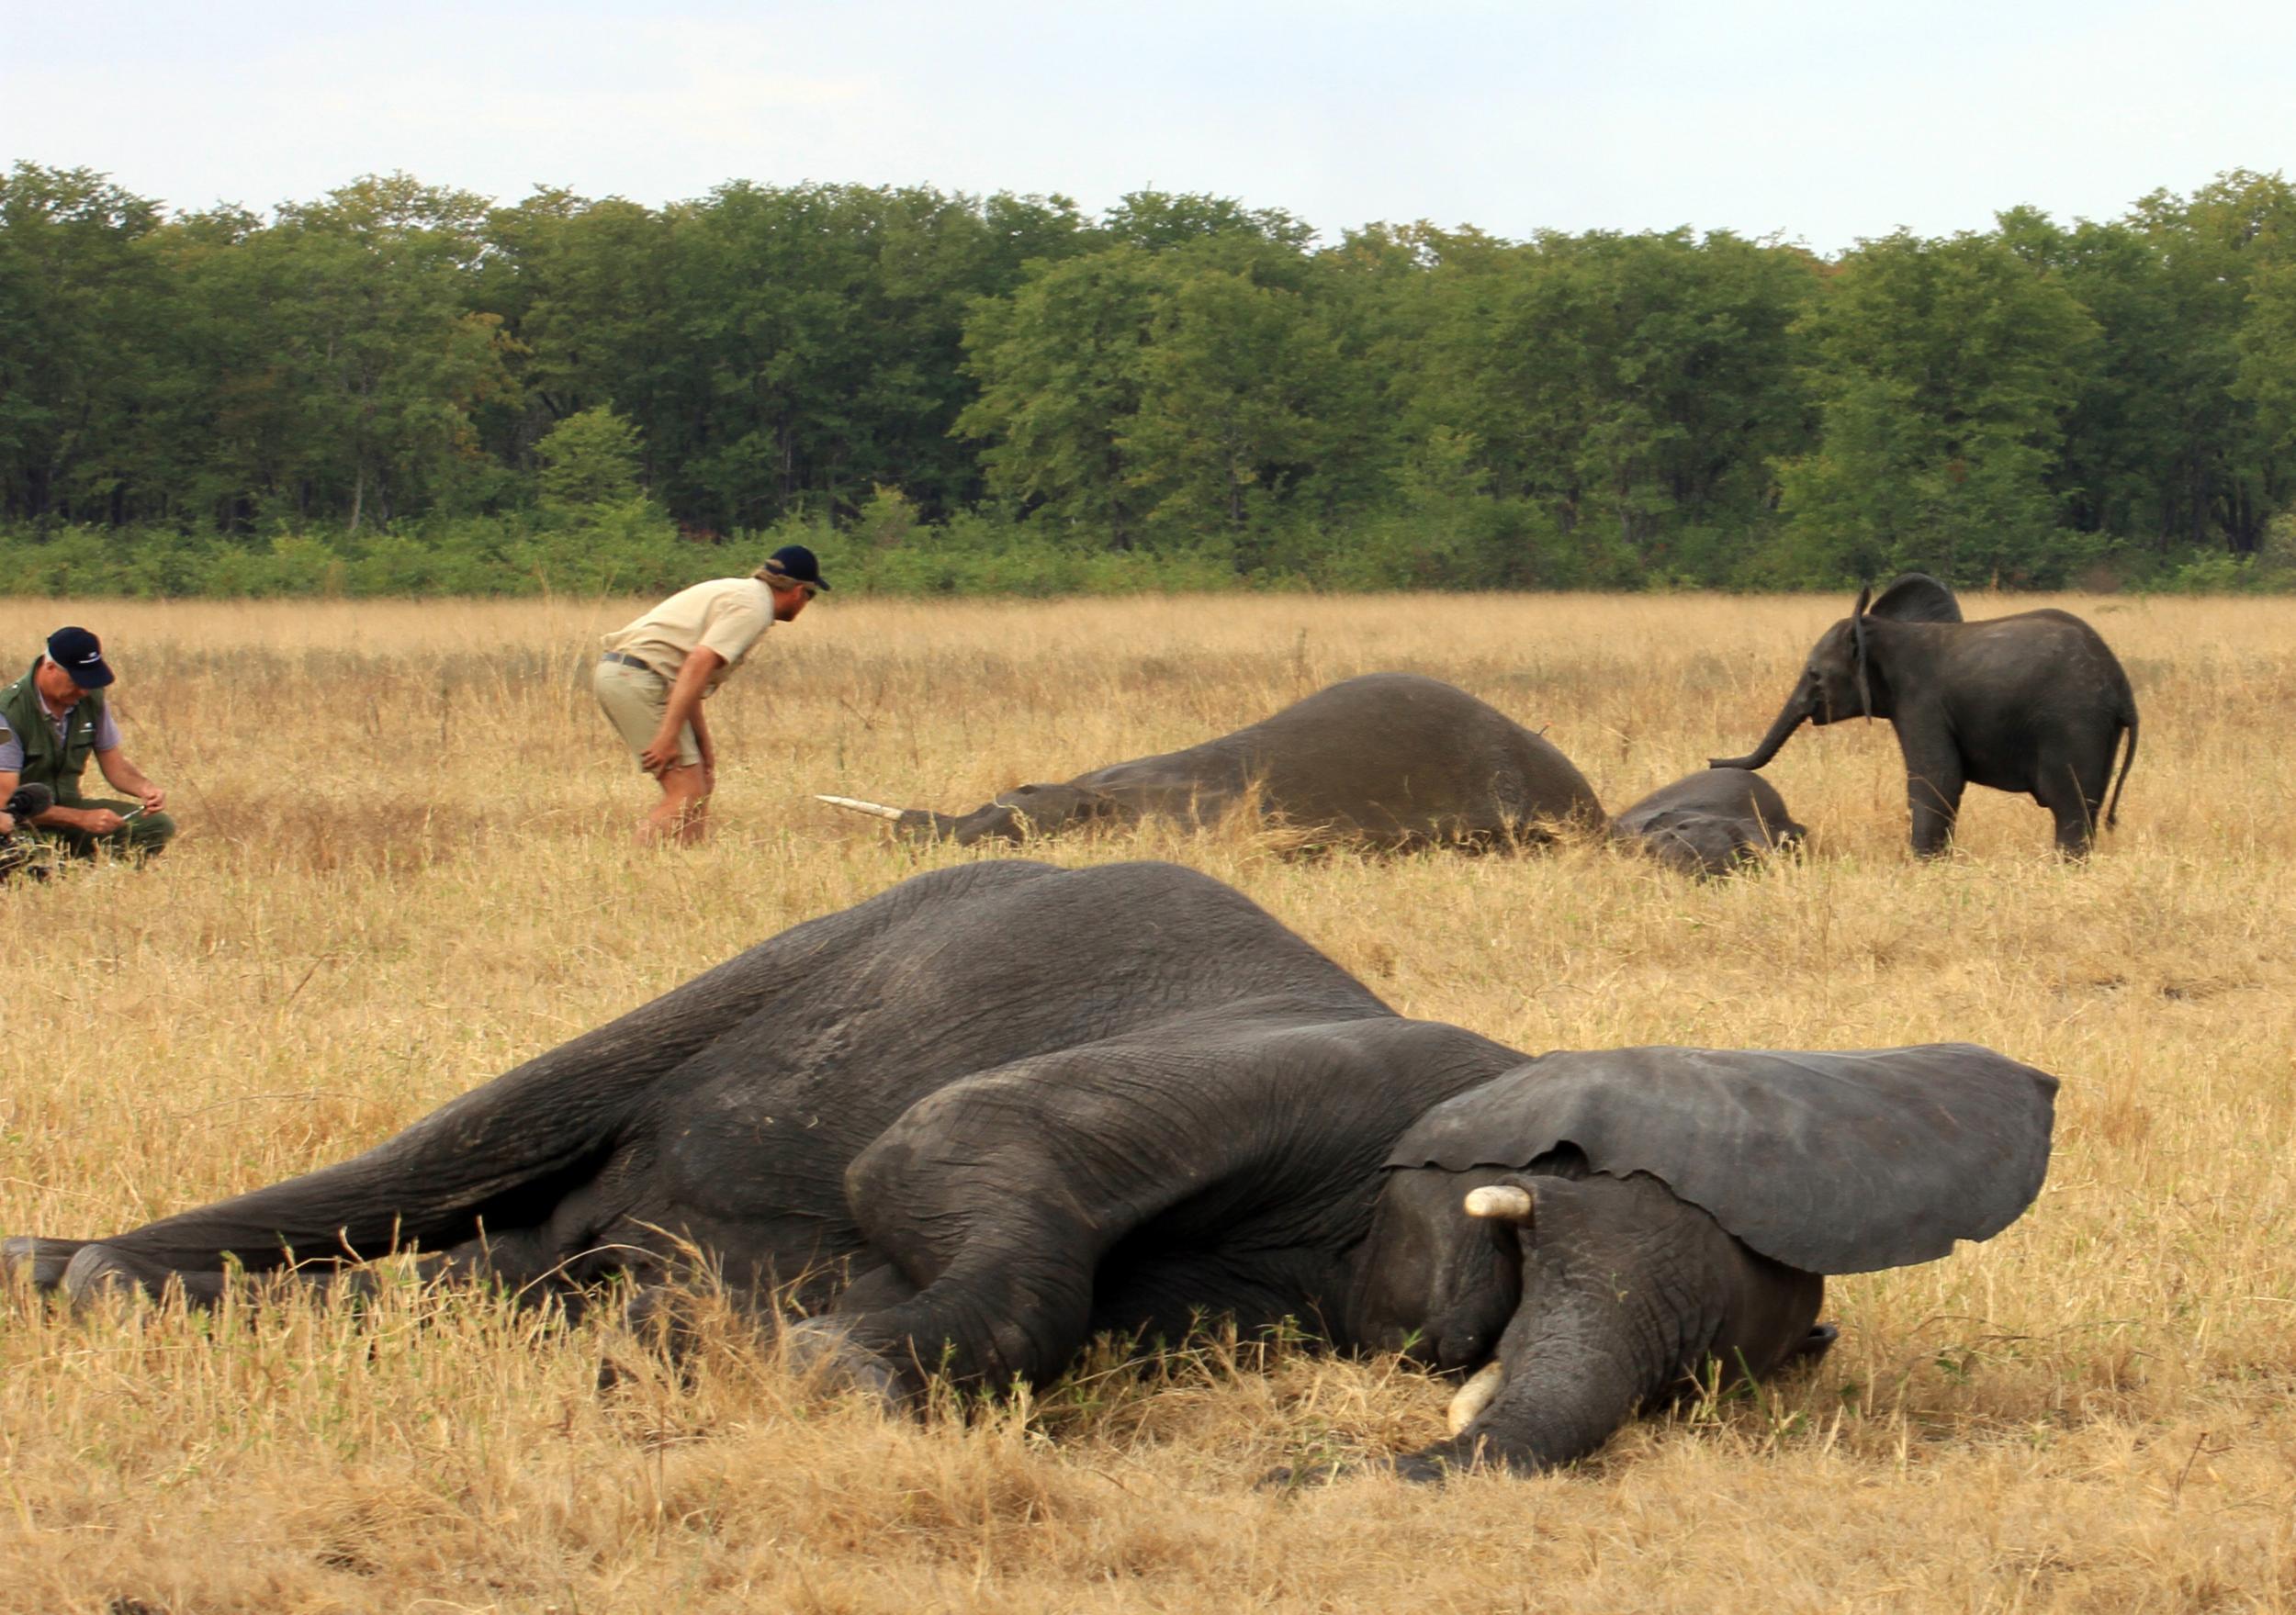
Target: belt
(615, 656)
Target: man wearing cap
(657, 671)
(55, 716)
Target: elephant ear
(1916, 598)
(1857, 654)
(1843, 1162)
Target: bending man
(657, 671)
(56, 717)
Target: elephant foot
(823, 1349)
(42, 1261)
(98, 1271)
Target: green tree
(822, 326)
(350, 357)
(83, 303)
(1632, 388)
(1061, 370)
(1238, 387)
(2166, 443)
(1942, 371)
(589, 458)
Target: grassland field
(405, 866)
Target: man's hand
(661, 755)
(98, 821)
(7, 824)
(152, 798)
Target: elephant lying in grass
(1710, 823)
(2034, 703)
(970, 1123)
(1387, 760)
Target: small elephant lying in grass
(1002, 1107)
(1710, 823)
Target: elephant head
(1591, 1228)
(1018, 814)
(1706, 845)
(1842, 679)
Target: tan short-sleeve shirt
(729, 615)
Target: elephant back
(1916, 598)
(1400, 758)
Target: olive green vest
(46, 762)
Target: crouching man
(55, 717)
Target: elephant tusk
(1476, 1395)
(1507, 1201)
(874, 809)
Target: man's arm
(685, 706)
(709, 747)
(124, 776)
(94, 821)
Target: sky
(1817, 123)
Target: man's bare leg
(682, 815)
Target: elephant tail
(2128, 717)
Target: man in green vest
(55, 718)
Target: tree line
(406, 388)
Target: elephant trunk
(1551, 1397)
(1797, 711)
(923, 824)
(1597, 1318)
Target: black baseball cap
(80, 654)
(797, 563)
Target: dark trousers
(140, 837)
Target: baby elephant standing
(2033, 703)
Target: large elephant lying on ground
(2034, 703)
(1387, 759)
(969, 1122)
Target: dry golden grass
(404, 869)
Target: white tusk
(874, 809)
(1476, 1395)
(1499, 1200)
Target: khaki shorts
(635, 699)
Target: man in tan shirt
(656, 672)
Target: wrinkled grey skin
(971, 1122)
(2034, 703)
(1387, 759)
(1711, 822)
(1618, 1293)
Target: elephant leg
(1933, 792)
(998, 1197)
(2074, 798)
(99, 1271)
(522, 1264)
